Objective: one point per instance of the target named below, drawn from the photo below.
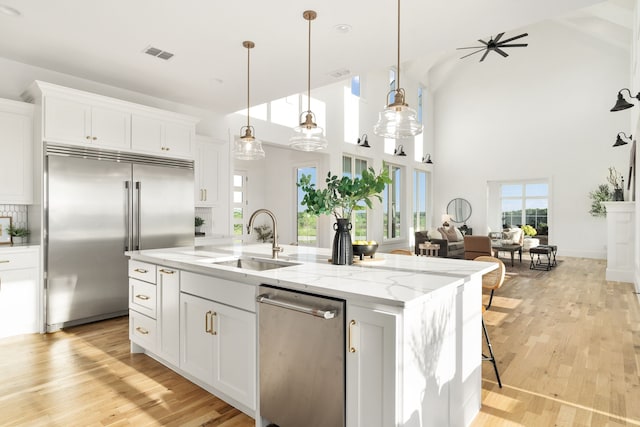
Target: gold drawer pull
(4, 261)
(162, 270)
(142, 330)
(141, 270)
(352, 349)
(142, 297)
(213, 330)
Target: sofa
(449, 238)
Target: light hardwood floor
(567, 344)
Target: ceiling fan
(496, 45)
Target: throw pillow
(507, 237)
(459, 234)
(433, 233)
(517, 235)
(443, 232)
(451, 234)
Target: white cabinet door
(18, 301)
(196, 337)
(75, 122)
(371, 368)
(67, 121)
(169, 314)
(146, 134)
(16, 174)
(110, 128)
(218, 347)
(178, 140)
(234, 369)
(207, 167)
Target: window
(525, 203)
(351, 116)
(286, 111)
(257, 112)
(355, 86)
(420, 104)
(419, 200)
(307, 228)
(239, 202)
(391, 204)
(352, 167)
(392, 85)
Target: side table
(429, 249)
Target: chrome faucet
(275, 248)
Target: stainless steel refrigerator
(98, 205)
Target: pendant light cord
(309, 69)
(398, 76)
(248, 82)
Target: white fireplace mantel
(620, 241)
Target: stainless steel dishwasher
(301, 358)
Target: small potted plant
(340, 198)
(18, 234)
(199, 222)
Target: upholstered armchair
(475, 246)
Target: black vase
(342, 253)
(618, 195)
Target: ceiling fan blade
(501, 52)
(484, 56)
(514, 38)
(480, 50)
(514, 45)
(498, 37)
(484, 42)
(471, 47)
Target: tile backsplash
(18, 213)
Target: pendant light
(397, 120)
(308, 136)
(247, 147)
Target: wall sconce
(427, 159)
(621, 103)
(620, 141)
(399, 151)
(363, 141)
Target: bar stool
(493, 279)
(491, 358)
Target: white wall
(543, 112)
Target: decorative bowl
(364, 250)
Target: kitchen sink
(256, 264)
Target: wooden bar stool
(491, 358)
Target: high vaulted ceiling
(104, 40)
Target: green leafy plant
(199, 221)
(529, 230)
(343, 195)
(18, 231)
(598, 196)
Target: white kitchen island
(413, 334)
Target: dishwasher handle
(324, 314)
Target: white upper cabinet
(156, 136)
(75, 122)
(70, 116)
(16, 172)
(211, 169)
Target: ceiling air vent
(337, 74)
(158, 53)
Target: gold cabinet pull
(207, 320)
(141, 270)
(142, 330)
(142, 297)
(162, 270)
(352, 349)
(4, 261)
(94, 138)
(201, 195)
(88, 137)
(213, 330)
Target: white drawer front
(15, 260)
(142, 271)
(142, 297)
(235, 294)
(142, 330)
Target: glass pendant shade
(247, 147)
(308, 136)
(398, 121)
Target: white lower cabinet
(19, 303)
(218, 346)
(371, 367)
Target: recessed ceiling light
(9, 11)
(343, 28)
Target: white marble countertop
(396, 280)
(19, 247)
